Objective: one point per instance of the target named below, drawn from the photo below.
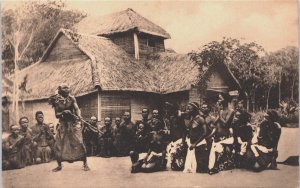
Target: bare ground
(115, 172)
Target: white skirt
(190, 165)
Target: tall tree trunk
(16, 88)
(268, 96)
(292, 87)
(279, 89)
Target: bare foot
(86, 167)
(58, 168)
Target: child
(155, 158)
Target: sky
(272, 24)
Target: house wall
(217, 82)
(88, 105)
(124, 40)
(64, 49)
(29, 108)
(144, 47)
(179, 98)
(143, 100)
(115, 103)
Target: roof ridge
(129, 16)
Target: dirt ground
(115, 172)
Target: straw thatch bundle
(120, 22)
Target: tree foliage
(35, 24)
(257, 71)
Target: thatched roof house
(108, 79)
(121, 22)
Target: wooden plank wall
(145, 49)
(125, 41)
(143, 100)
(114, 104)
(64, 49)
(88, 105)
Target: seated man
(12, 150)
(265, 150)
(155, 124)
(221, 156)
(106, 138)
(29, 148)
(155, 158)
(42, 135)
(142, 141)
(242, 133)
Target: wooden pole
(136, 46)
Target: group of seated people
(28, 145)
(198, 141)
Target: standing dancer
(69, 144)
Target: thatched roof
(175, 72)
(44, 78)
(109, 67)
(120, 22)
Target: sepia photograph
(179, 94)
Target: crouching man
(12, 147)
(265, 149)
(155, 158)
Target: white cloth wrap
(190, 165)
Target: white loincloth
(190, 165)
